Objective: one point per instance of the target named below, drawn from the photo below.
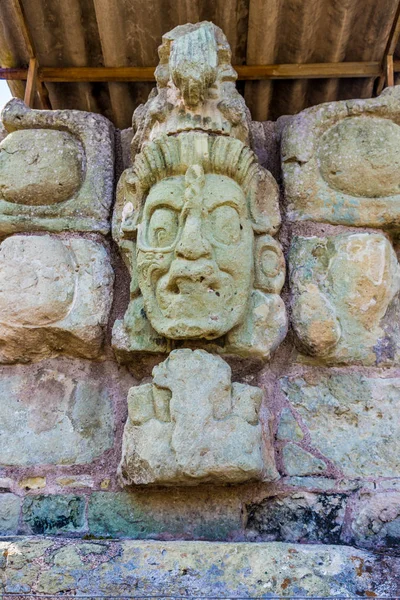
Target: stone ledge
(200, 569)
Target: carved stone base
(192, 425)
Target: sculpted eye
(162, 228)
(225, 224)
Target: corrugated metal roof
(128, 33)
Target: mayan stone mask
(195, 214)
(193, 219)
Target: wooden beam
(43, 95)
(390, 70)
(31, 83)
(245, 72)
(387, 60)
(19, 11)
(89, 74)
(309, 71)
(12, 74)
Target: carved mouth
(188, 285)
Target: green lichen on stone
(156, 514)
(53, 514)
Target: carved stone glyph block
(341, 162)
(345, 298)
(352, 420)
(56, 170)
(194, 219)
(54, 412)
(195, 88)
(55, 297)
(192, 425)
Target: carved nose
(192, 244)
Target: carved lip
(199, 276)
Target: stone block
(376, 521)
(345, 301)
(196, 569)
(288, 427)
(47, 515)
(56, 170)
(302, 517)
(352, 419)
(54, 413)
(10, 506)
(198, 514)
(55, 297)
(207, 428)
(297, 461)
(340, 162)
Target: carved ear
(127, 207)
(264, 202)
(270, 268)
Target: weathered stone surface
(297, 461)
(207, 428)
(288, 428)
(193, 220)
(32, 483)
(53, 414)
(345, 298)
(55, 297)
(353, 420)
(198, 514)
(301, 517)
(56, 170)
(75, 481)
(34, 154)
(340, 162)
(201, 569)
(195, 88)
(376, 522)
(53, 514)
(10, 506)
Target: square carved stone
(345, 298)
(341, 162)
(56, 170)
(55, 297)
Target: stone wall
(335, 429)
(199, 336)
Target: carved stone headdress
(169, 156)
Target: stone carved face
(195, 255)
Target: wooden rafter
(33, 82)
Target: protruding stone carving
(195, 88)
(192, 425)
(342, 287)
(55, 297)
(56, 170)
(341, 162)
(194, 219)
